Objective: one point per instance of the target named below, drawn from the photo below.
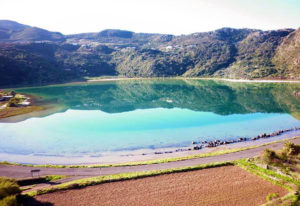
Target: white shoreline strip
(200, 78)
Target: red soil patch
(228, 185)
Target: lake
(94, 118)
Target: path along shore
(15, 171)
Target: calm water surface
(128, 115)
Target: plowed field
(228, 185)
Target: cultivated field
(227, 185)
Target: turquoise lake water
(149, 114)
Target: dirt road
(78, 173)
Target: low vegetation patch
(286, 160)
(9, 192)
(13, 102)
(280, 167)
(272, 196)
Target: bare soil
(228, 185)
(13, 111)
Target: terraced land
(227, 185)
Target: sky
(152, 16)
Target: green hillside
(34, 56)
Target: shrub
(268, 156)
(13, 93)
(9, 189)
(283, 155)
(13, 102)
(291, 149)
(272, 196)
(9, 201)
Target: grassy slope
(291, 184)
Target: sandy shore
(135, 155)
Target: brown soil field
(227, 185)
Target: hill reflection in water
(147, 114)
(198, 95)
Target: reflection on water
(128, 115)
(198, 95)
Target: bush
(13, 102)
(271, 196)
(9, 189)
(268, 156)
(13, 93)
(9, 201)
(291, 149)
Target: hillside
(287, 55)
(30, 55)
(11, 31)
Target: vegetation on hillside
(31, 55)
(287, 55)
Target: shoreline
(47, 109)
(117, 78)
(35, 109)
(7, 112)
(196, 78)
(257, 81)
(142, 155)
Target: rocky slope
(30, 55)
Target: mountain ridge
(31, 55)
